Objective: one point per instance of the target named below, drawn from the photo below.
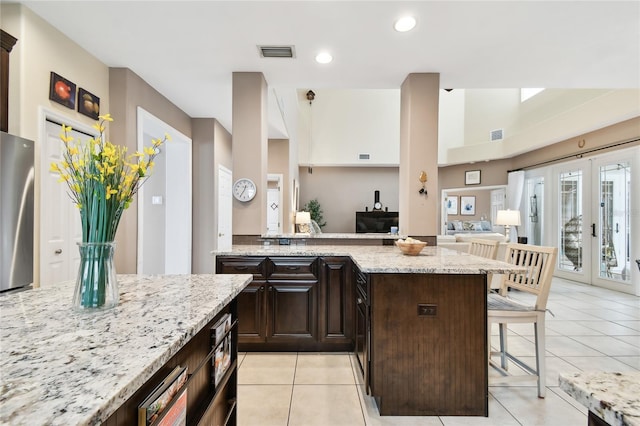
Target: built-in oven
(362, 327)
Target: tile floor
(593, 329)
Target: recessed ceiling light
(405, 24)
(324, 58)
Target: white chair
(539, 263)
(484, 248)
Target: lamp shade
(508, 217)
(303, 218)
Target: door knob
(58, 251)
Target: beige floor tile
(373, 418)
(324, 369)
(609, 345)
(497, 416)
(633, 361)
(567, 346)
(325, 405)
(264, 405)
(267, 368)
(531, 410)
(599, 363)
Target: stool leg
(539, 328)
(503, 345)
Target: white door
(597, 232)
(60, 227)
(274, 204)
(225, 208)
(498, 197)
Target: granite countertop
(62, 367)
(336, 236)
(386, 259)
(614, 397)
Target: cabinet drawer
(293, 268)
(242, 265)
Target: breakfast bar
(417, 324)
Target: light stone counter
(62, 367)
(386, 259)
(614, 397)
(336, 236)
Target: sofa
(469, 226)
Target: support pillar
(249, 149)
(419, 98)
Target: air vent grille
(363, 156)
(496, 135)
(277, 51)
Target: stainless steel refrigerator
(17, 175)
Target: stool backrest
(539, 263)
(484, 248)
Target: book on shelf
(220, 328)
(221, 359)
(152, 409)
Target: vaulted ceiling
(188, 50)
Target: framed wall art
(468, 206)
(88, 104)
(472, 177)
(452, 204)
(62, 91)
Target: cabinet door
(292, 311)
(251, 313)
(336, 301)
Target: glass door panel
(570, 254)
(535, 209)
(613, 250)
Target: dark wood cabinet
(427, 348)
(295, 303)
(336, 316)
(292, 312)
(362, 331)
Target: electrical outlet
(427, 310)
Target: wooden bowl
(410, 249)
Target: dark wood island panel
(428, 344)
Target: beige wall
(278, 163)
(41, 49)
(127, 92)
(627, 130)
(482, 203)
(341, 191)
(211, 148)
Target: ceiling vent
(277, 51)
(496, 135)
(364, 156)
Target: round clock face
(377, 206)
(244, 190)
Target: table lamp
(303, 219)
(508, 218)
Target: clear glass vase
(96, 284)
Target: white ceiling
(188, 50)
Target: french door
(597, 235)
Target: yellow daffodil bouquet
(102, 180)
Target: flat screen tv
(379, 222)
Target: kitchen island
(62, 367)
(418, 324)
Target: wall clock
(244, 190)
